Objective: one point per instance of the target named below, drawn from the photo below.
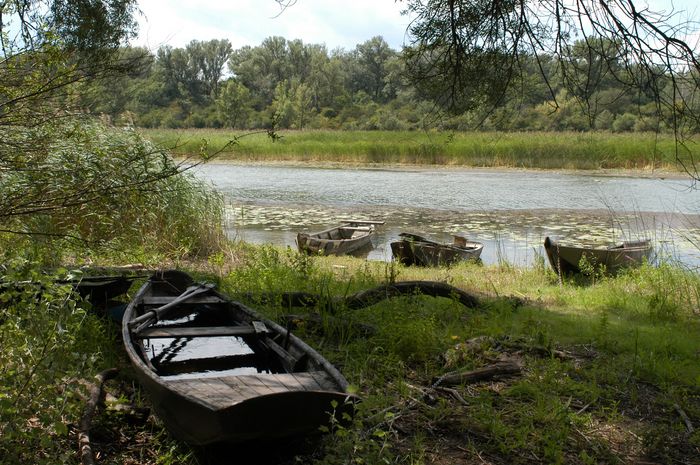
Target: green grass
(634, 342)
(606, 366)
(542, 150)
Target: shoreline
(659, 173)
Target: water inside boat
(194, 357)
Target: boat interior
(344, 232)
(210, 336)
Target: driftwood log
(429, 288)
(96, 398)
(370, 297)
(506, 368)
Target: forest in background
(287, 84)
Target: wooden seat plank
(203, 331)
(244, 392)
(200, 299)
(218, 393)
(323, 380)
(209, 364)
(290, 382)
(255, 383)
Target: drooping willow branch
(467, 55)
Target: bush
(48, 343)
(624, 122)
(100, 186)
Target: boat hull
(340, 240)
(567, 260)
(289, 391)
(414, 252)
(268, 417)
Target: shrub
(100, 186)
(624, 122)
(49, 342)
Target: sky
(335, 23)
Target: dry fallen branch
(429, 288)
(685, 418)
(96, 398)
(507, 368)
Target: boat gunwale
(143, 368)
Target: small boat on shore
(569, 259)
(99, 290)
(216, 371)
(346, 238)
(413, 249)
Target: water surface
(510, 211)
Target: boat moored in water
(413, 249)
(569, 259)
(349, 237)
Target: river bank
(646, 152)
(601, 370)
(643, 173)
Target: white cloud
(247, 22)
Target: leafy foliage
(97, 186)
(49, 342)
(372, 87)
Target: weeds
(604, 363)
(49, 341)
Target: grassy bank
(606, 366)
(608, 369)
(542, 150)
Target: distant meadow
(541, 150)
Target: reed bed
(541, 150)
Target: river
(510, 211)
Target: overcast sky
(336, 23)
(247, 22)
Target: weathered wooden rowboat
(566, 259)
(413, 249)
(101, 289)
(216, 371)
(349, 237)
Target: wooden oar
(156, 314)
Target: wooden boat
(339, 240)
(413, 249)
(568, 259)
(216, 371)
(99, 290)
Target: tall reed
(545, 150)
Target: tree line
(289, 84)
